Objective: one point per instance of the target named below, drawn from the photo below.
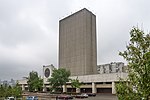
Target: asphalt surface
(98, 97)
(46, 96)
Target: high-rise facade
(77, 43)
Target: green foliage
(125, 91)
(6, 91)
(2, 91)
(35, 83)
(16, 90)
(58, 79)
(138, 57)
(75, 83)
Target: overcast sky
(29, 31)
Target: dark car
(91, 94)
(64, 97)
(82, 96)
(32, 98)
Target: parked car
(64, 97)
(32, 98)
(83, 95)
(10, 98)
(91, 94)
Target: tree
(2, 91)
(16, 90)
(137, 55)
(35, 83)
(75, 83)
(59, 78)
(7, 90)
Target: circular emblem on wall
(47, 72)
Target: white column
(64, 88)
(44, 88)
(94, 88)
(78, 90)
(113, 88)
(23, 87)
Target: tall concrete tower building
(77, 43)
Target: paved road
(101, 97)
(98, 97)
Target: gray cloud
(29, 30)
